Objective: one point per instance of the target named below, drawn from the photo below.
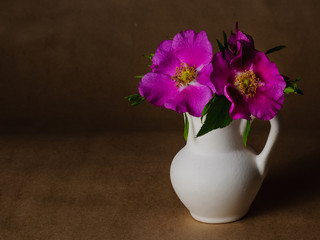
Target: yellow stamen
(247, 83)
(184, 75)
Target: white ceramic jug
(215, 175)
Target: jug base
(218, 220)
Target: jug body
(215, 176)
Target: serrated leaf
(207, 106)
(292, 87)
(225, 41)
(139, 76)
(217, 116)
(186, 127)
(220, 46)
(246, 132)
(135, 99)
(275, 49)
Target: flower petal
(204, 77)
(244, 59)
(191, 99)
(157, 88)
(239, 107)
(268, 73)
(192, 49)
(265, 107)
(270, 96)
(164, 60)
(239, 40)
(222, 73)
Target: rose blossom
(249, 80)
(180, 77)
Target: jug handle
(262, 158)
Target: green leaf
(286, 78)
(292, 87)
(288, 90)
(225, 41)
(221, 47)
(139, 76)
(299, 91)
(135, 99)
(207, 106)
(217, 115)
(246, 132)
(275, 49)
(186, 127)
(148, 56)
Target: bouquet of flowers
(237, 82)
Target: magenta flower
(240, 41)
(180, 77)
(249, 80)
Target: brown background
(77, 162)
(69, 63)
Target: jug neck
(219, 140)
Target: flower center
(184, 75)
(247, 83)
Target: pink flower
(249, 80)
(180, 77)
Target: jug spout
(262, 160)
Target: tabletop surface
(117, 186)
